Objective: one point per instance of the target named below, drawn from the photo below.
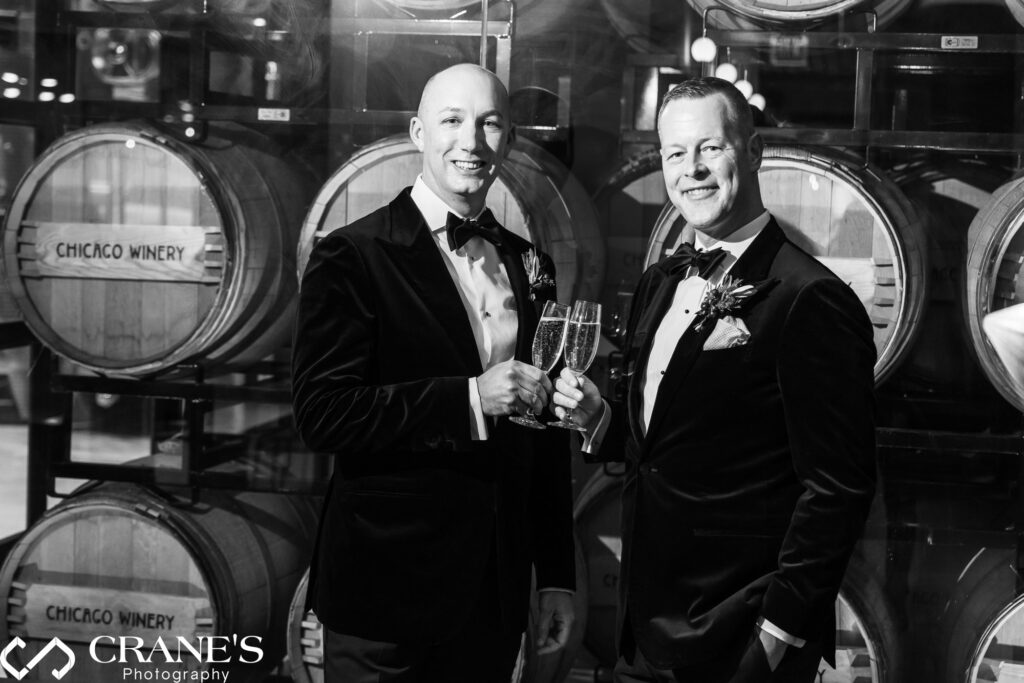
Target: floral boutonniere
(536, 273)
(727, 298)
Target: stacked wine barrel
(130, 251)
(118, 560)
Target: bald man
(411, 349)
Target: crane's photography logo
(20, 673)
(158, 660)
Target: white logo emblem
(21, 673)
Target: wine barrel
(983, 631)
(947, 195)
(17, 151)
(865, 632)
(747, 15)
(1016, 8)
(657, 26)
(306, 645)
(535, 197)
(628, 204)
(130, 251)
(995, 276)
(668, 26)
(305, 638)
(122, 560)
(856, 222)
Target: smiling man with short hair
(747, 425)
(412, 345)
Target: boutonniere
(727, 298)
(537, 275)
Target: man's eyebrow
(459, 110)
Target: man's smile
(700, 192)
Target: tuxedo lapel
(756, 261)
(753, 265)
(687, 351)
(640, 347)
(413, 251)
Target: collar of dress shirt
(435, 211)
(737, 242)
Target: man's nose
(470, 135)
(693, 167)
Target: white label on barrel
(79, 613)
(120, 252)
(959, 42)
(273, 114)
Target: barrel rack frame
(860, 134)
(51, 413)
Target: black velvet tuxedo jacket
(752, 484)
(382, 355)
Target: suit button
(433, 441)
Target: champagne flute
(547, 347)
(581, 339)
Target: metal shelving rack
(865, 44)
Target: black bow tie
(686, 256)
(461, 229)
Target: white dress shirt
(486, 294)
(685, 304)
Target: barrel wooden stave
(535, 197)
(227, 565)
(236, 302)
(747, 15)
(1016, 8)
(994, 277)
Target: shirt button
(686, 310)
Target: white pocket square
(728, 332)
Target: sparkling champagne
(581, 345)
(547, 342)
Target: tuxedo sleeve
(338, 404)
(826, 377)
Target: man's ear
(416, 132)
(755, 148)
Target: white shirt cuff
(593, 437)
(770, 628)
(477, 419)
